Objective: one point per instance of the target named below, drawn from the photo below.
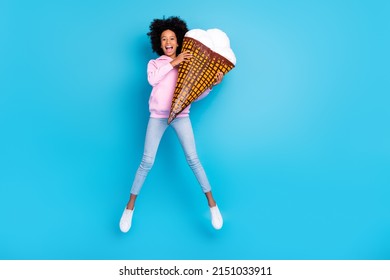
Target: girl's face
(169, 43)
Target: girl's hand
(184, 56)
(218, 78)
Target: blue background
(295, 141)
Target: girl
(166, 36)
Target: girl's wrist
(173, 63)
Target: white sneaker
(216, 217)
(125, 222)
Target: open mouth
(169, 48)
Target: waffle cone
(195, 76)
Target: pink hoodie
(162, 77)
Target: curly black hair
(158, 26)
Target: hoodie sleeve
(204, 94)
(157, 72)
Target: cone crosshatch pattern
(196, 76)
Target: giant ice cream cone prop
(211, 53)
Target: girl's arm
(184, 56)
(155, 73)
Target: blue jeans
(155, 131)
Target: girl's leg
(131, 202)
(154, 133)
(210, 199)
(184, 131)
(185, 134)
